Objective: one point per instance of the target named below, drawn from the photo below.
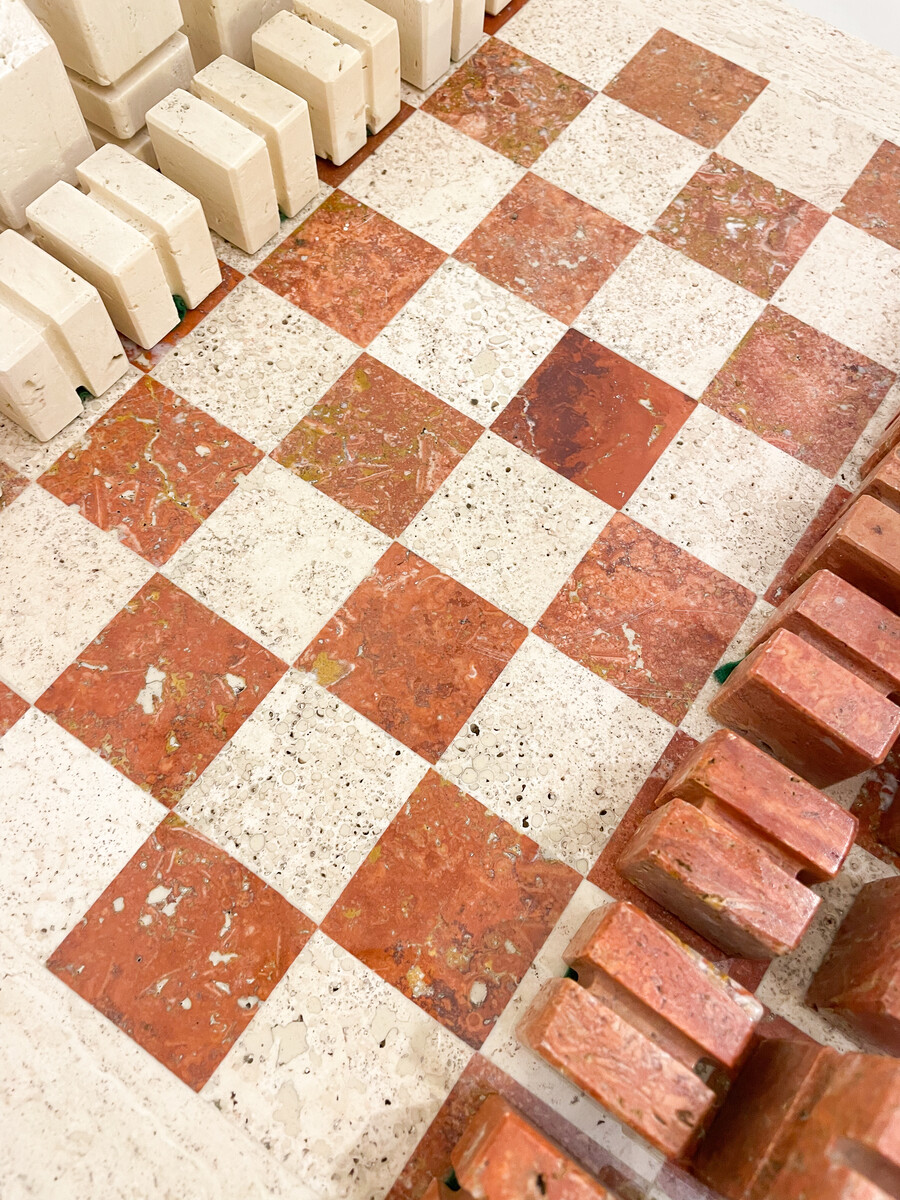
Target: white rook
(280, 117)
(426, 32)
(493, 7)
(35, 392)
(217, 27)
(67, 310)
(138, 146)
(165, 213)
(375, 35)
(42, 134)
(220, 162)
(104, 39)
(468, 26)
(119, 261)
(325, 72)
(120, 108)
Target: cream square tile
(620, 161)
(245, 263)
(507, 527)
(503, 1048)
(670, 315)
(31, 457)
(801, 145)
(257, 363)
(277, 558)
(61, 581)
(302, 792)
(557, 752)
(847, 285)
(467, 340)
(70, 823)
(732, 499)
(785, 982)
(434, 181)
(591, 42)
(339, 1074)
(849, 475)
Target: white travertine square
(120, 262)
(217, 27)
(226, 166)
(375, 35)
(171, 218)
(279, 117)
(35, 390)
(325, 72)
(121, 108)
(426, 35)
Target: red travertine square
(738, 784)
(501, 1156)
(622, 1069)
(888, 441)
(847, 625)
(863, 547)
(859, 979)
(621, 955)
(820, 719)
(439, 1191)
(718, 882)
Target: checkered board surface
(345, 641)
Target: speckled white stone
(93, 1114)
(621, 162)
(785, 982)
(303, 791)
(671, 316)
(508, 527)
(277, 558)
(849, 474)
(557, 752)
(61, 581)
(468, 341)
(245, 263)
(70, 823)
(503, 1048)
(339, 1074)
(463, 181)
(847, 285)
(801, 145)
(257, 363)
(735, 501)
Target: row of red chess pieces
(647, 1026)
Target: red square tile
(181, 949)
(799, 389)
(11, 708)
(605, 875)
(873, 203)
(151, 470)
(161, 690)
(378, 444)
(646, 616)
(879, 791)
(451, 907)
(335, 176)
(740, 225)
(548, 247)
(12, 484)
(413, 650)
(779, 589)
(509, 101)
(594, 417)
(686, 88)
(146, 360)
(350, 267)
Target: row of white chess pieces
(235, 149)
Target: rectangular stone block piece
(858, 981)
(325, 72)
(217, 27)
(279, 117)
(375, 35)
(501, 1156)
(104, 39)
(224, 165)
(165, 213)
(67, 310)
(820, 719)
(887, 442)
(119, 261)
(138, 146)
(740, 785)
(468, 26)
(121, 108)
(494, 7)
(44, 134)
(426, 35)
(35, 392)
